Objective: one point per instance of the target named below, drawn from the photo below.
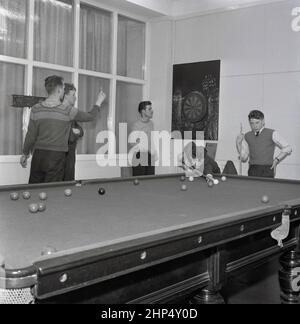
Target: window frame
(29, 63)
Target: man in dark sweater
(258, 147)
(49, 130)
(196, 162)
(76, 133)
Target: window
(128, 98)
(13, 26)
(95, 39)
(131, 48)
(11, 82)
(53, 31)
(88, 46)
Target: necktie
(257, 133)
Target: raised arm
(91, 115)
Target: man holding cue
(258, 147)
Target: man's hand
(23, 161)
(101, 98)
(76, 131)
(274, 166)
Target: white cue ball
(216, 182)
(191, 179)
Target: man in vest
(258, 146)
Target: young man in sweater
(258, 146)
(49, 130)
(144, 154)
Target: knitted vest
(262, 147)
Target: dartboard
(194, 107)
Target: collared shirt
(278, 140)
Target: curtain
(89, 88)
(131, 48)
(11, 82)
(54, 31)
(95, 39)
(127, 101)
(13, 26)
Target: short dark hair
(69, 87)
(143, 105)
(52, 82)
(256, 114)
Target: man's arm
(30, 140)
(285, 148)
(81, 116)
(242, 148)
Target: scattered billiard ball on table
(101, 191)
(224, 179)
(136, 182)
(42, 206)
(184, 188)
(14, 196)
(43, 196)
(265, 199)
(182, 178)
(191, 179)
(210, 184)
(33, 208)
(68, 192)
(26, 195)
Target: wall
(260, 69)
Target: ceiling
(179, 8)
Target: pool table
(145, 242)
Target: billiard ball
(101, 191)
(26, 195)
(48, 250)
(182, 178)
(223, 178)
(42, 206)
(265, 199)
(33, 208)
(43, 196)
(183, 188)
(14, 196)
(216, 182)
(136, 182)
(210, 184)
(191, 179)
(68, 192)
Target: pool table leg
(216, 269)
(289, 277)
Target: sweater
(49, 127)
(261, 147)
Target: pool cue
(240, 158)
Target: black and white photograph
(149, 155)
